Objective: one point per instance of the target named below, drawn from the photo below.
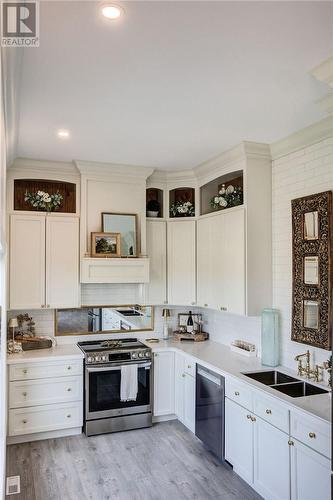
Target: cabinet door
(189, 402)
(164, 383)
(239, 440)
(156, 249)
(271, 461)
(27, 261)
(310, 474)
(181, 262)
(205, 278)
(233, 256)
(179, 385)
(62, 261)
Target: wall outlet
(13, 485)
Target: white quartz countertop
(57, 353)
(220, 358)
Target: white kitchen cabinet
(27, 261)
(271, 461)
(239, 440)
(181, 258)
(185, 391)
(62, 265)
(164, 383)
(44, 261)
(205, 267)
(44, 397)
(221, 261)
(156, 250)
(189, 402)
(257, 450)
(310, 474)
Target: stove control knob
(97, 358)
(147, 354)
(140, 354)
(104, 358)
(90, 359)
(134, 355)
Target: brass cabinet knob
(248, 417)
(69, 416)
(24, 421)
(69, 389)
(189, 366)
(69, 367)
(312, 435)
(236, 393)
(253, 419)
(290, 442)
(222, 308)
(24, 394)
(269, 412)
(183, 375)
(25, 371)
(156, 354)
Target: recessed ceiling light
(64, 134)
(112, 11)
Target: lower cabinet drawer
(311, 431)
(45, 418)
(271, 410)
(42, 370)
(41, 392)
(238, 392)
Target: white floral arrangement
(43, 200)
(182, 209)
(227, 197)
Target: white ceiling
(172, 83)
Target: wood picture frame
(105, 245)
(128, 236)
(312, 243)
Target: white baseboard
(38, 436)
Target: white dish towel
(129, 383)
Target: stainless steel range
(104, 410)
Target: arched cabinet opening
(154, 202)
(182, 202)
(42, 195)
(222, 193)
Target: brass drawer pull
(269, 412)
(236, 393)
(312, 435)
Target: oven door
(102, 391)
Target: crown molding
(324, 72)
(172, 176)
(98, 169)
(303, 138)
(48, 166)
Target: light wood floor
(165, 462)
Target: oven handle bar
(113, 368)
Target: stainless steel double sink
(285, 383)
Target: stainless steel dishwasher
(209, 410)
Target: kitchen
(152, 290)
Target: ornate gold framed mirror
(312, 270)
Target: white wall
(305, 172)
